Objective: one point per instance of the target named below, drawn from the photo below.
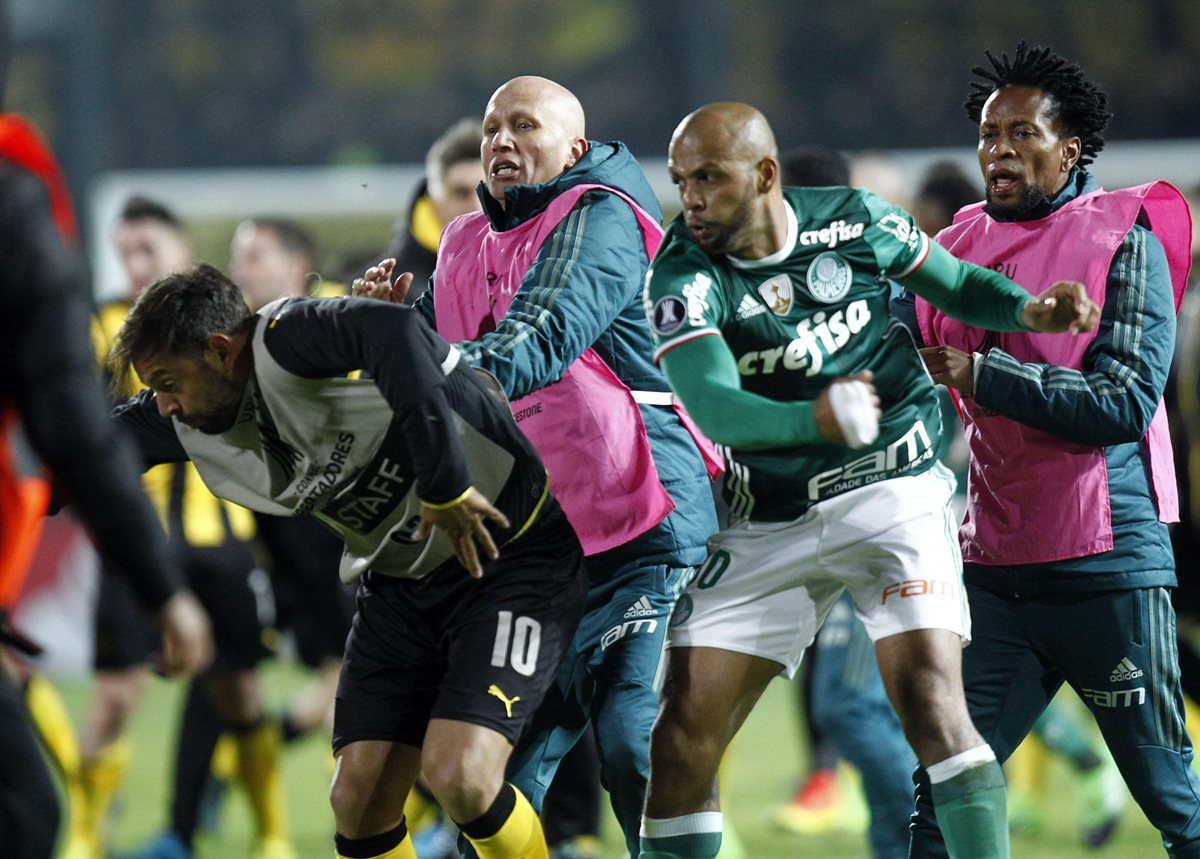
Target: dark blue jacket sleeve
(1113, 397)
(589, 269)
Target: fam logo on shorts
(829, 277)
(669, 313)
(683, 610)
(777, 293)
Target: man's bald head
(725, 165)
(557, 101)
(533, 130)
(728, 130)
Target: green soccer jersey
(797, 319)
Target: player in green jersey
(771, 321)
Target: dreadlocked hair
(1078, 105)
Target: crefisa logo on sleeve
(669, 313)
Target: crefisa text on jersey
(832, 235)
(831, 331)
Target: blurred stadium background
(322, 110)
(165, 97)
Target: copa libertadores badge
(669, 313)
(829, 277)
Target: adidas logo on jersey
(1125, 670)
(641, 608)
(749, 307)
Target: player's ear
(579, 146)
(768, 174)
(1072, 148)
(220, 350)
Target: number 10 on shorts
(516, 643)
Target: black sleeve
(401, 354)
(153, 434)
(57, 390)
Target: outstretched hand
(847, 412)
(464, 526)
(951, 367)
(1065, 306)
(376, 282)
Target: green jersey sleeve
(684, 298)
(687, 299)
(975, 295)
(899, 245)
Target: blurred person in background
(150, 241)
(880, 173)
(449, 189)
(45, 298)
(212, 540)
(943, 190)
(271, 258)
(1068, 563)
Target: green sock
(1061, 732)
(971, 810)
(682, 847)
(693, 836)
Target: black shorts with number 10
(448, 646)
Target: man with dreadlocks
(1067, 556)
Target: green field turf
(764, 772)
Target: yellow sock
(54, 725)
(519, 837)
(258, 766)
(420, 810)
(225, 759)
(1025, 768)
(102, 777)
(403, 850)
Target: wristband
(855, 412)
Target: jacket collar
(609, 164)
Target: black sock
(199, 730)
(372, 845)
(489, 823)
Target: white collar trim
(789, 244)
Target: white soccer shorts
(767, 586)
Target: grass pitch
(765, 768)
